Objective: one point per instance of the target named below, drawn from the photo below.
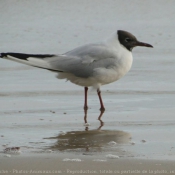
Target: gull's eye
(128, 40)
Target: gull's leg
(85, 120)
(85, 98)
(85, 106)
(102, 108)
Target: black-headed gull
(89, 65)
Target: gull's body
(89, 65)
(99, 64)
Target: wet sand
(51, 164)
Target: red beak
(138, 43)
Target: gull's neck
(114, 43)
(112, 40)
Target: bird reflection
(99, 118)
(90, 140)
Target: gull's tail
(36, 60)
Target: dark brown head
(129, 41)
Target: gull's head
(129, 41)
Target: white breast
(106, 76)
(122, 65)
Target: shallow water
(40, 114)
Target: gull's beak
(138, 43)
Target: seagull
(90, 65)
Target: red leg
(85, 119)
(85, 98)
(85, 116)
(102, 108)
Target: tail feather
(36, 60)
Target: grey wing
(81, 61)
(84, 60)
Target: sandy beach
(51, 164)
(44, 116)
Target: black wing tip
(24, 56)
(2, 55)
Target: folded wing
(80, 62)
